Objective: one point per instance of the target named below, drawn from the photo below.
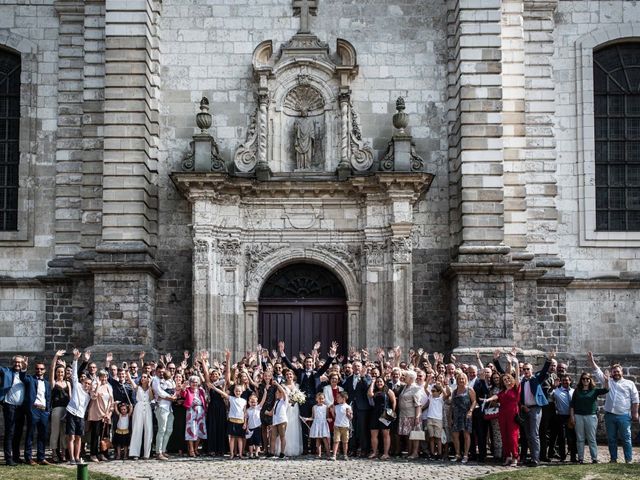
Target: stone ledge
(488, 268)
(121, 267)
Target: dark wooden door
(302, 323)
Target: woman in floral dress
(196, 406)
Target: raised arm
(332, 354)
(224, 394)
(496, 361)
(370, 390)
(283, 356)
(54, 363)
(597, 372)
(479, 360)
(227, 367)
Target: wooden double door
(301, 323)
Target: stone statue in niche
(304, 140)
(306, 105)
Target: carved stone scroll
(246, 157)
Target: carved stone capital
(200, 251)
(401, 249)
(348, 254)
(229, 252)
(374, 253)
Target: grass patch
(23, 472)
(602, 471)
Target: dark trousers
(95, 431)
(361, 439)
(479, 434)
(305, 411)
(14, 417)
(561, 435)
(546, 425)
(38, 425)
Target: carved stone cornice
(216, 186)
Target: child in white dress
(320, 426)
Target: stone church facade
(212, 174)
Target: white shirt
(529, 399)
(280, 411)
(622, 394)
(15, 395)
(342, 420)
(79, 398)
(236, 407)
(435, 408)
(253, 417)
(123, 422)
(160, 387)
(40, 400)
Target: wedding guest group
(278, 405)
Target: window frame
(28, 144)
(585, 99)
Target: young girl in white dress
(293, 433)
(320, 426)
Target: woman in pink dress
(509, 398)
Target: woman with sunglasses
(583, 414)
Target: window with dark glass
(9, 139)
(616, 70)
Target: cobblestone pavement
(307, 468)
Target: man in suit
(309, 381)
(482, 386)
(12, 396)
(357, 386)
(532, 399)
(397, 386)
(38, 409)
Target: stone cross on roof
(305, 8)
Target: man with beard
(620, 406)
(12, 396)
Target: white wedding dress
(293, 433)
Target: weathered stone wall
(22, 318)
(431, 315)
(604, 320)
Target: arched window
(9, 139)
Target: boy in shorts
(434, 420)
(343, 415)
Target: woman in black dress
(177, 443)
(383, 398)
(217, 440)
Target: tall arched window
(616, 72)
(9, 139)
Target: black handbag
(520, 419)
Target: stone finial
(203, 117)
(400, 119)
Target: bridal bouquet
(298, 397)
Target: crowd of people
(267, 404)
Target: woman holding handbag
(410, 410)
(509, 398)
(384, 405)
(100, 410)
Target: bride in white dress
(293, 433)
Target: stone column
(201, 262)
(69, 148)
(229, 324)
(262, 167)
(482, 273)
(124, 269)
(375, 300)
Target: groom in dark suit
(357, 386)
(309, 381)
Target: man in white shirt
(38, 407)
(164, 389)
(76, 409)
(621, 407)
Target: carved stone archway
(343, 261)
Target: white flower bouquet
(298, 397)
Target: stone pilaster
(93, 119)
(129, 220)
(542, 214)
(513, 114)
(69, 148)
(475, 120)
